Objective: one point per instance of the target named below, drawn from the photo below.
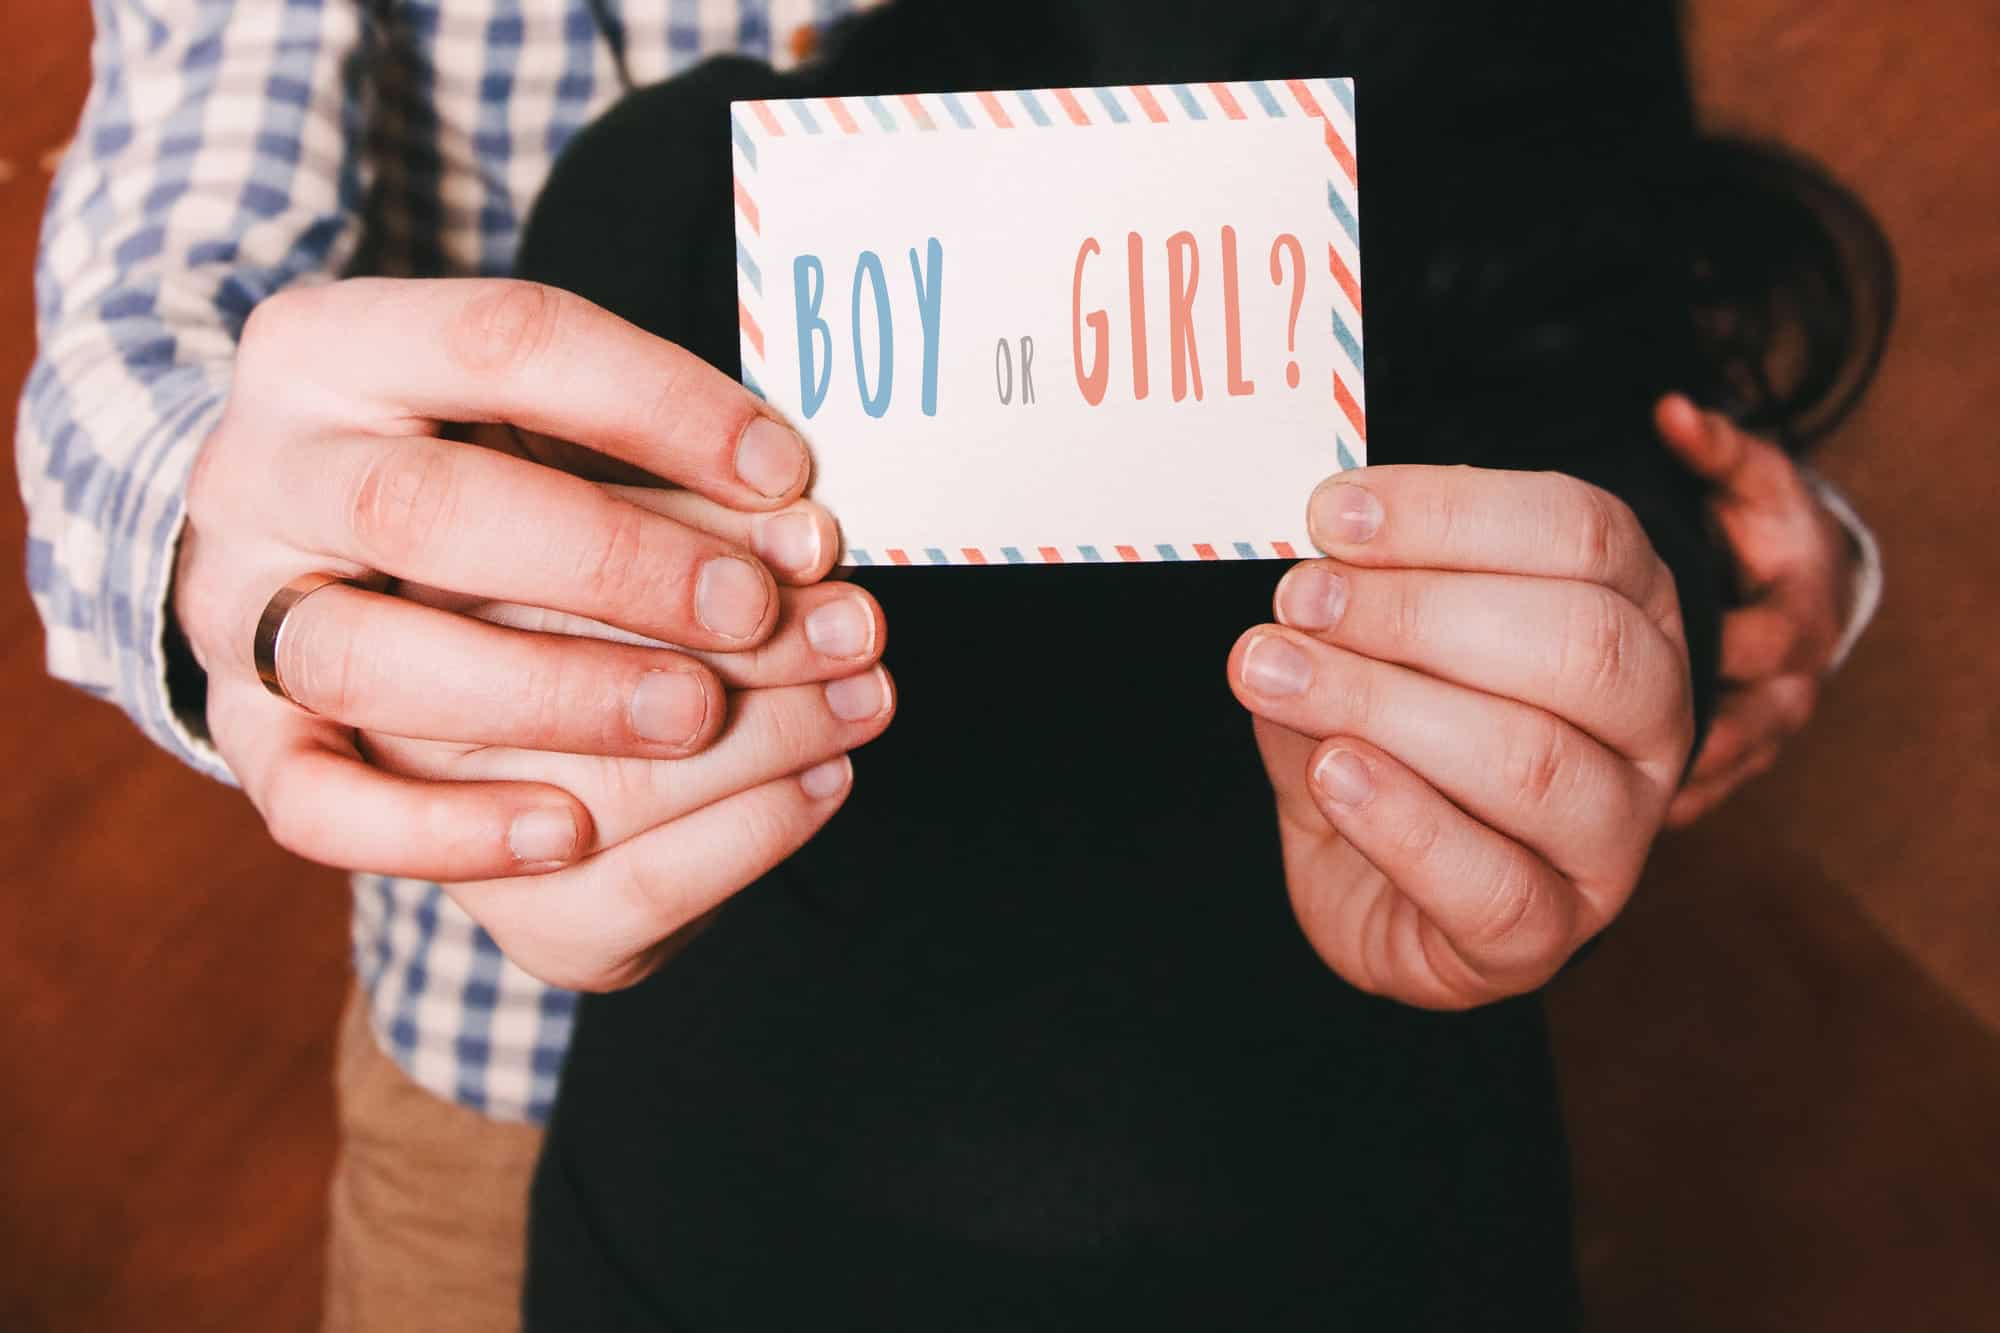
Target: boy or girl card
(1069, 324)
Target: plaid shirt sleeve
(230, 149)
(216, 162)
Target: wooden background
(1782, 1071)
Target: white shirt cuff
(1868, 569)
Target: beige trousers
(429, 1205)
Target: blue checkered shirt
(230, 150)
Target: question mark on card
(1289, 242)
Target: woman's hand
(1474, 716)
(1797, 565)
(672, 838)
(331, 458)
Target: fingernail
(826, 779)
(858, 698)
(1312, 597)
(1274, 667)
(540, 837)
(769, 458)
(729, 597)
(669, 707)
(789, 541)
(1349, 513)
(1345, 779)
(839, 629)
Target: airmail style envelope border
(1065, 111)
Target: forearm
(212, 166)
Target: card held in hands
(1070, 324)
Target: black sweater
(1027, 1038)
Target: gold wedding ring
(271, 626)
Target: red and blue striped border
(1330, 101)
(1113, 554)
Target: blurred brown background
(1783, 1069)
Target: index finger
(1745, 468)
(479, 350)
(1695, 438)
(1483, 520)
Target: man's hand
(333, 456)
(1795, 564)
(1473, 716)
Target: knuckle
(794, 736)
(505, 327)
(1417, 841)
(1597, 644)
(1626, 529)
(570, 690)
(620, 555)
(1345, 698)
(770, 662)
(771, 825)
(1599, 525)
(1345, 709)
(1441, 518)
(667, 406)
(1367, 971)
(1507, 924)
(1536, 764)
(279, 343)
(1525, 929)
(1405, 616)
(656, 791)
(1598, 531)
(277, 323)
(208, 488)
(1678, 691)
(626, 795)
(402, 502)
(632, 785)
(1457, 983)
(664, 900)
(1665, 604)
(544, 699)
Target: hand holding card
(1094, 324)
(1474, 716)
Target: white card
(1089, 324)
